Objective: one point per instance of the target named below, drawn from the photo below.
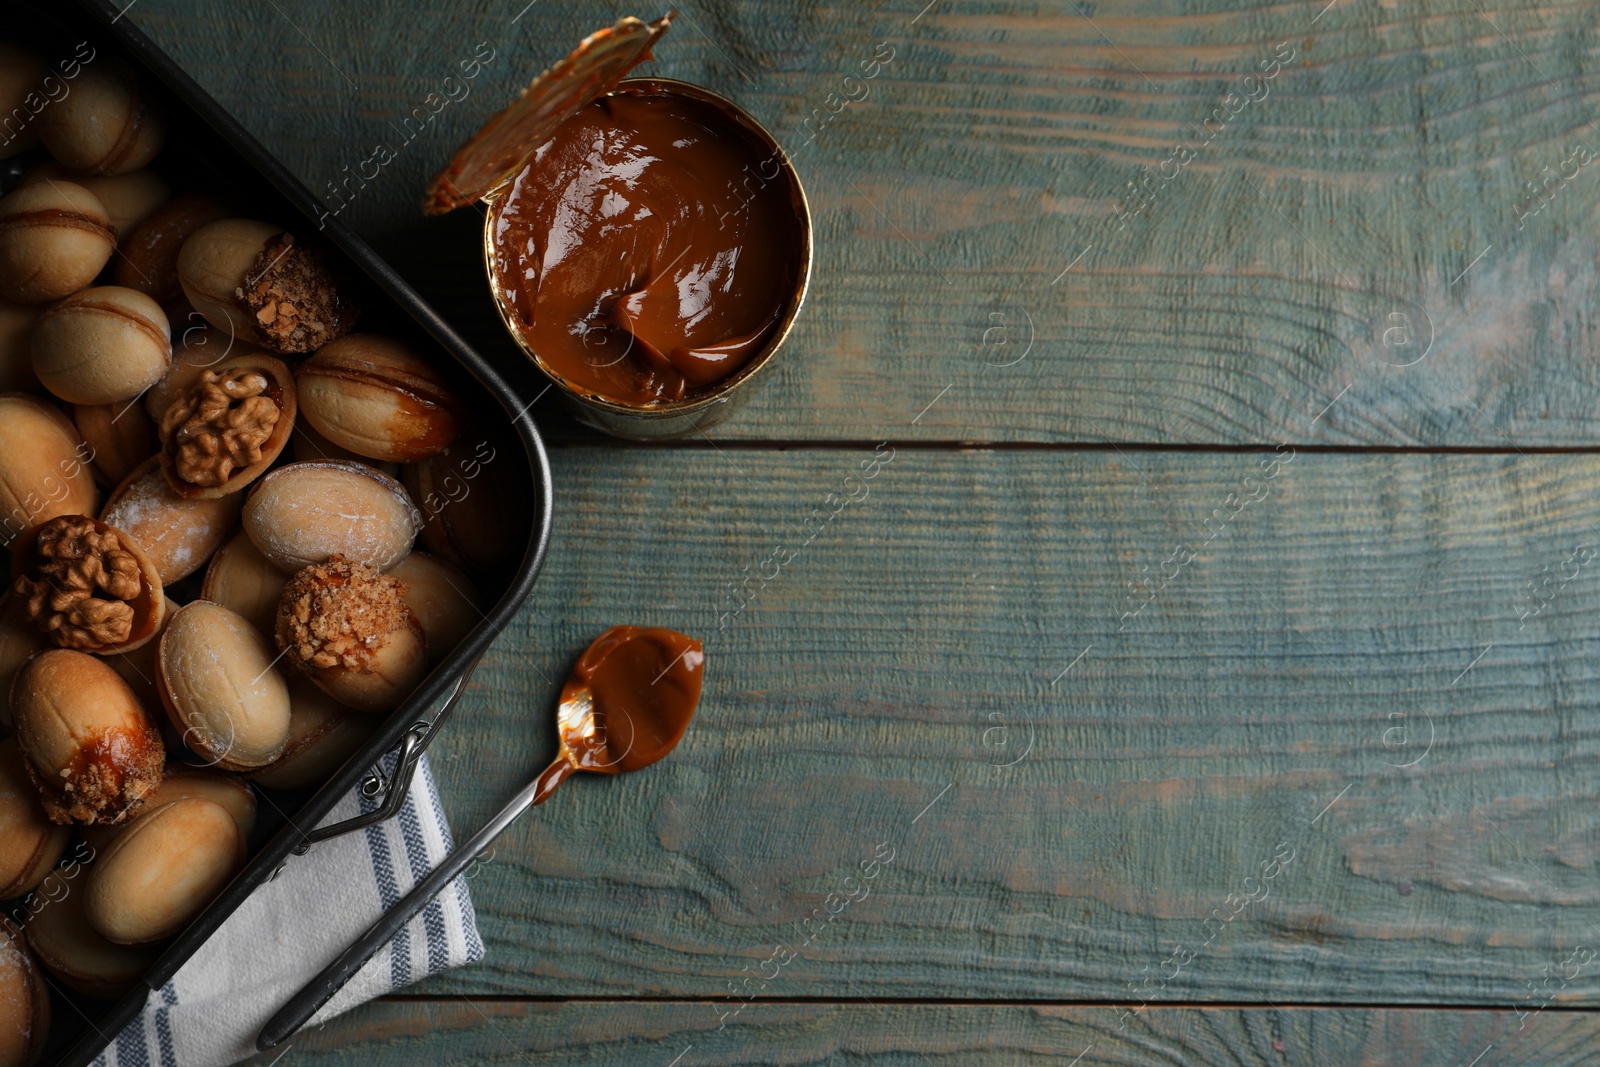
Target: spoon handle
(322, 988)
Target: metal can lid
(502, 146)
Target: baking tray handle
(392, 786)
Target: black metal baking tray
(206, 137)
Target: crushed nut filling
(338, 613)
(108, 781)
(294, 298)
(78, 592)
(219, 425)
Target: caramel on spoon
(625, 706)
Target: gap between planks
(993, 1002)
(832, 445)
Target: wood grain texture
(1368, 674)
(686, 1035)
(1345, 672)
(1377, 173)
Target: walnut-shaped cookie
(258, 284)
(378, 398)
(87, 586)
(323, 733)
(178, 533)
(219, 681)
(162, 871)
(25, 1025)
(30, 844)
(77, 956)
(346, 625)
(305, 513)
(227, 426)
(88, 746)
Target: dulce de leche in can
(647, 243)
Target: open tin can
(647, 242)
(208, 148)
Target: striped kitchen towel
(292, 927)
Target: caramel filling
(650, 248)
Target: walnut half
(227, 427)
(86, 586)
(219, 425)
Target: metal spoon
(589, 742)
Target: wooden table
(1215, 657)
